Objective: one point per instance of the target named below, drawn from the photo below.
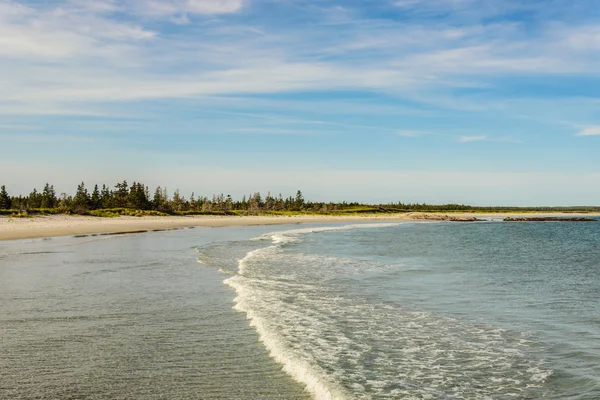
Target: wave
(293, 235)
(330, 336)
(299, 369)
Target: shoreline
(67, 225)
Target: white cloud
(63, 32)
(78, 53)
(97, 6)
(409, 133)
(159, 8)
(406, 3)
(586, 38)
(213, 6)
(589, 131)
(467, 139)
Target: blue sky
(469, 101)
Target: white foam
(299, 369)
(293, 234)
(254, 253)
(226, 272)
(539, 375)
(343, 347)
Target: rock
(549, 219)
(441, 217)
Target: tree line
(137, 196)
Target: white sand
(62, 225)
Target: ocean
(484, 310)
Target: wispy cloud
(17, 127)
(589, 131)
(282, 131)
(160, 8)
(447, 71)
(411, 134)
(467, 139)
(79, 52)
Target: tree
(255, 202)
(95, 201)
(193, 204)
(35, 199)
(137, 198)
(48, 199)
(106, 198)
(159, 202)
(120, 194)
(5, 201)
(299, 200)
(82, 200)
(65, 201)
(178, 201)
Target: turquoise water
(489, 310)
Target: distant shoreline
(66, 225)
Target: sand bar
(64, 225)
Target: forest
(136, 199)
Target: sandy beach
(63, 225)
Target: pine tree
(178, 201)
(95, 201)
(193, 204)
(5, 201)
(137, 198)
(157, 201)
(120, 194)
(299, 200)
(82, 199)
(34, 200)
(48, 199)
(106, 198)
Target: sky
(482, 102)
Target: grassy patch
(117, 212)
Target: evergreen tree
(120, 195)
(95, 201)
(82, 198)
(158, 202)
(178, 201)
(299, 200)
(137, 198)
(5, 200)
(48, 199)
(35, 199)
(106, 200)
(193, 204)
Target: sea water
(128, 317)
(490, 310)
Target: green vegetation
(136, 200)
